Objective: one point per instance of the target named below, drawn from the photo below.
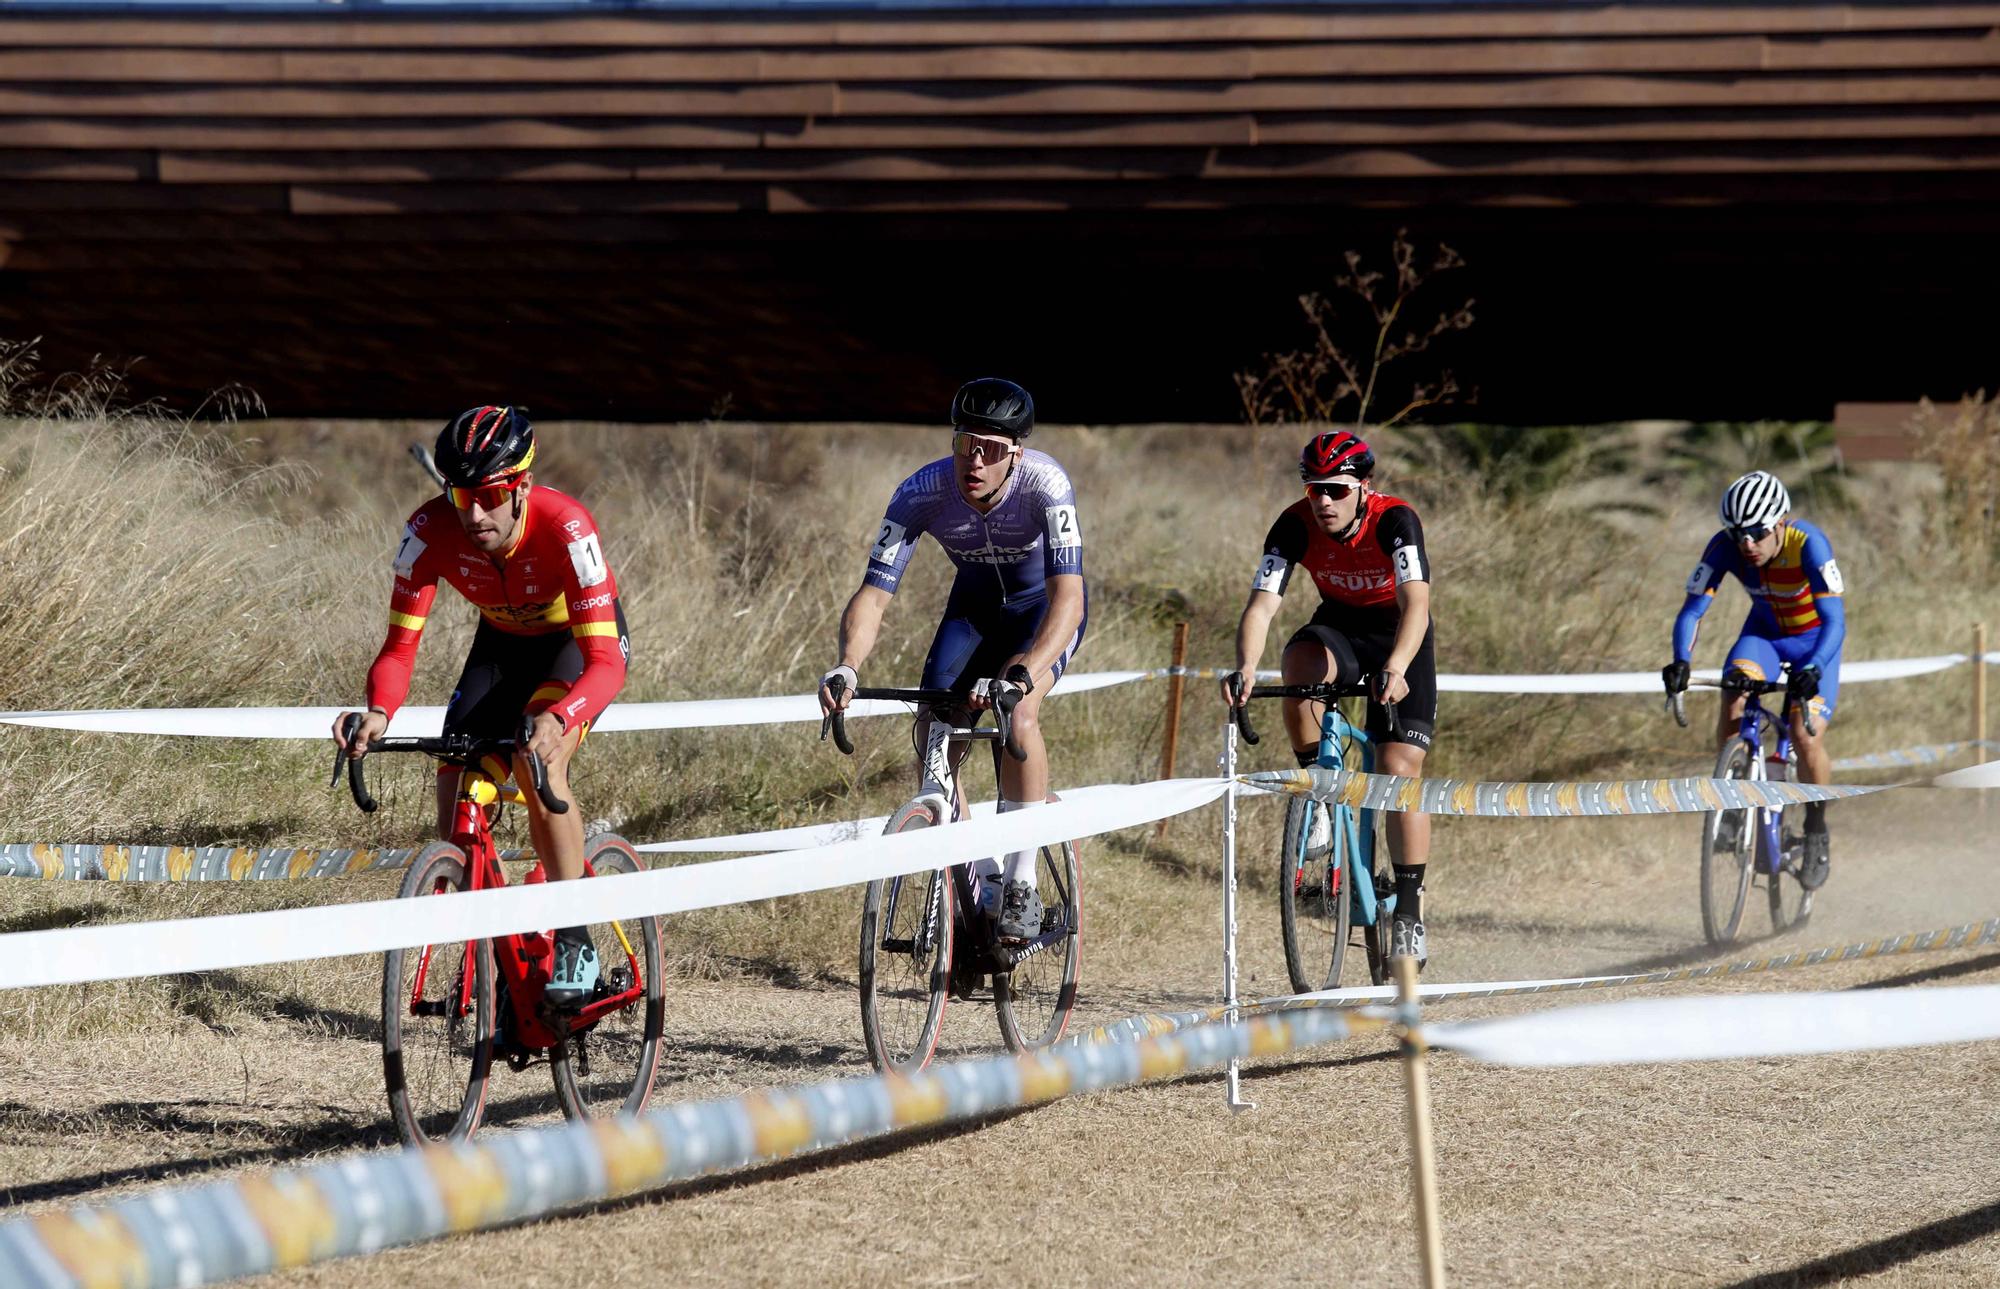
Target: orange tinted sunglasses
(489, 496)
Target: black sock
(1410, 892)
(574, 934)
(1815, 816)
(1307, 758)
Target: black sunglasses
(1751, 532)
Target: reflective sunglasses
(1337, 491)
(489, 496)
(1751, 533)
(978, 447)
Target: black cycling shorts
(505, 675)
(1360, 644)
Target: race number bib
(1273, 571)
(1829, 573)
(1409, 565)
(408, 553)
(1063, 531)
(1699, 580)
(888, 546)
(588, 561)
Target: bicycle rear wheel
(906, 942)
(608, 1068)
(437, 1018)
(1728, 846)
(1791, 902)
(1313, 899)
(1035, 998)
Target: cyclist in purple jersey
(1006, 516)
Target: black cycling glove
(1803, 686)
(1674, 676)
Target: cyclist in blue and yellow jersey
(1006, 516)
(1796, 619)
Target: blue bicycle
(1328, 881)
(1738, 851)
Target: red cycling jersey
(554, 578)
(1385, 550)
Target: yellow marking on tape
(293, 1216)
(296, 866)
(180, 862)
(49, 860)
(95, 1248)
(1464, 798)
(471, 1183)
(240, 861)
(780, 1123)
(117, 861)
(1269, 1038)
(1663, 796)
(358, 861)
(1614, 797)
(1043, 1078)
(1706, 790)
(1569, 798)
(632, 1153)
(1412, 795)
(1514, 796)
(915, 1102)
(1161, 1060)
(1355, 791)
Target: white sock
(1020, 864)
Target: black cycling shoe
(1814, 866)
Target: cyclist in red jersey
(1365, 553)
(551, 642)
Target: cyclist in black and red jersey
(551, 642)
(1365, 553)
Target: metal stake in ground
(1423, 1160)
(1232, 1085)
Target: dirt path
(1746, 1172)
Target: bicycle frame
(1338, 739)
(523, 959)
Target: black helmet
(484, 444)
(990, 403)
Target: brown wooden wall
(666, 210)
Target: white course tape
(424, 722)
(1973, 776)
(1648, 682)
(1716, 1029)
(77, 954)
(810, 835)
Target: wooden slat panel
(1597, 92)
(255, 134)
(28, 166)
(84, 196)
(1416, 22)
(1658, 56)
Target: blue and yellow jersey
(1797, 592)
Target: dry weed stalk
(1964, 445)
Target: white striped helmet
(1757, 500)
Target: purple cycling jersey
(1010, 552)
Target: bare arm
(860, 623)
(1251, 632)
(1414, 599)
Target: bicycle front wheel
(1791, 902)
(1313, 899)
(1035, 998)
(906, 942)
(608, 1067)
(1728, 847)
(437, 1018)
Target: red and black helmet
(1334, 454)
(484, 444)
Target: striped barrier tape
(1504, 800)
(74, 955)
(63, 862)
(722, 713)
(1902, 757)
(362, 1203)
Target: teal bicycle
(1329, 883)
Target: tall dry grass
(153, 562)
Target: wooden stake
(1423, 1161)
(1170, 744)
(1979, 688)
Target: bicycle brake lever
(1239, 711)
(538, 773)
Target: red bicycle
(449, 1009)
